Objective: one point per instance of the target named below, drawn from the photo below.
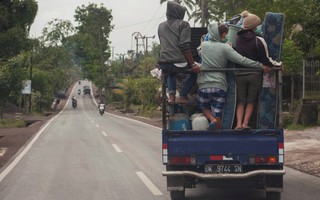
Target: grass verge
(12, 123)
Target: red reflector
(260, 160)
(165, 146)
(272, 160)
(216, 157)
(280, 145)
(179, 160)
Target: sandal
(171, 99)
(246, 128)
(182, 100)
(238, 128)
(212, 126)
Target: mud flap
(274, 183)
(175, 183)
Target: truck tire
(177, 195)
(273, 196)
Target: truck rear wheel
(273, 196)
(177, 195)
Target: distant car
(61, 94)
(86, 91)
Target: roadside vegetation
(66, 53)
(12, 123)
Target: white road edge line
(104, 133)
(7, 170)
(20, 155)
(117, 148)
(155, 191)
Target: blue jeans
(172, 71)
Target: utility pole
(112, 51)
(30, 97)
(137, 36)
(146, 53)
(122, 70)
(147, 37)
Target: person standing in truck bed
(248, 44)
(175, 53)
(215, 54)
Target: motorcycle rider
(74, 102)
(101, 105)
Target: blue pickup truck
(226, 158)
(220, 158)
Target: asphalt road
(80, 155)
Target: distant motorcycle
(79, 82)
(101, 108)
(74, 102)
(79, 92)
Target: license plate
(222, 169)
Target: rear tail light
(182, 160)
(269, 160)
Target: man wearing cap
(249, 82)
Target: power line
(156, 24)
(151, 18)
(130, 25)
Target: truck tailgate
(222, 143)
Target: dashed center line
(117, 148)
(2, 151)
(155, 191)
(104, 133)
(97, 126)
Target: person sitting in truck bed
(213, 85)
(175, 53)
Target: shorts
(248, 87)
(212, 98)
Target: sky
(129, 18)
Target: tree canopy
(15, 20)
(92, 39)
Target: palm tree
(202, 11)
(188, 3)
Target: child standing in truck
(213, 85)
(175, 53)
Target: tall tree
(15, 20)
(94, 27)
(11, 75)
(57, 31)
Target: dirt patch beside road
(302, 150)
